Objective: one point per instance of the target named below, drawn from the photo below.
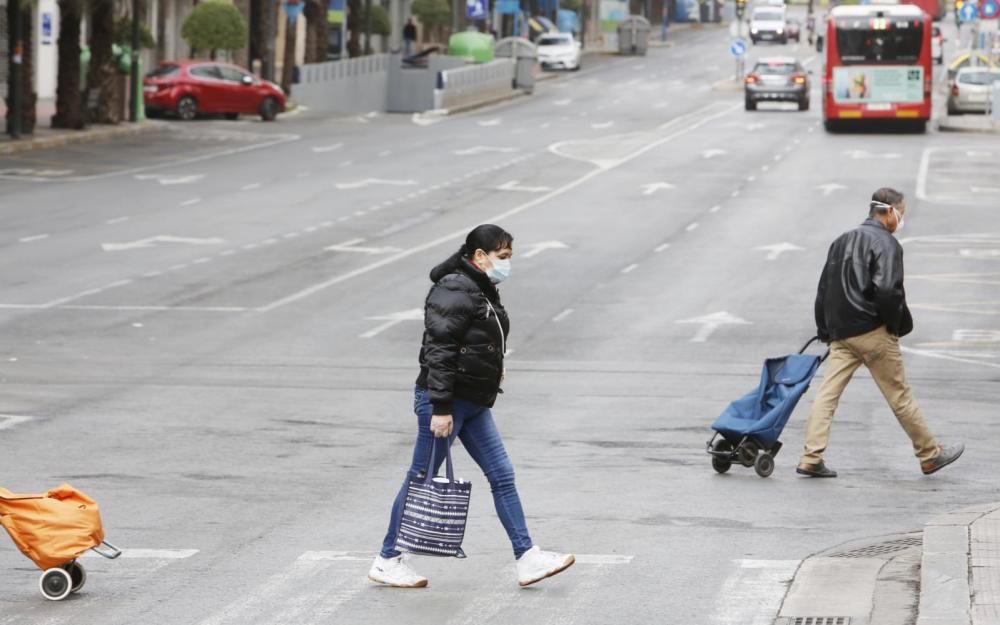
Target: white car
(768, 24)
(559, 51)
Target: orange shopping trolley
(53, 529)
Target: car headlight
(754, 30)
(779, 31)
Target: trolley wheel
(748, 453)
(721, 465)
(55, 584)
(764, 465)
(77, 574)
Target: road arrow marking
(8, 421)
(482, 149)
(710, 323)
(537, 248)
(352, 246)
(170, 180)
(774, 251)
(391, 320)
(512, 186)
(712, 152)
(373, 181)
(163, 238)
(653, 187)
(830, 187)
(327, 148)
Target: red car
(190, 88)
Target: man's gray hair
(884, 199)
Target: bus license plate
(879, 106)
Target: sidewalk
(46, 137)
(968, 123)
(949, 574)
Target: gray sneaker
(946, 455)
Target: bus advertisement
(877, 65)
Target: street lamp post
(133, 114)
(14, 17)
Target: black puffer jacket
(462, 352)
(862, 285)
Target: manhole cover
(881, 549)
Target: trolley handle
(810, 342)
(107, 550)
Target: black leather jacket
(462, 352)
(862, 285)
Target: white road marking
(692, 226)
(562, 315)
(753, 592)
(227, 252)
(602, 558)
(735, 193)
(776, 250)
(630, 268)
(513, 186)
(985, 189)
(336, 556)
(269, 241)
(375, 181)
(251, 186)
(37, 237)
(715, 209)
(922, 170)
(385, 153)
(756, 126)
(947, 356)
(152, 274)
(491, 122)
(710, 323)
(353, 246)
(751, 178)
(116, 220)
(866, 155)
(661, 247)
(712, 153)
(777, 158)
(830, 187)
(151, 554)
(563, 102)
(653, 187)
(201, 261)
(8, 421)
(164, 179)
(345, 164)
(686, 124)
(765, 167)
(162, 238)
(327, 148)
(190, 202)
(535, 249)
(602, 125)
(428, 118)
(482, 149)
(393, 319)
(545, 125)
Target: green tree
(214, 25)
(123, 34)
(570, 5)
(434, 14)
(380, 21)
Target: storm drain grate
(881, 549)
(814, 620)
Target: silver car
(971, 90)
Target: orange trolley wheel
(55, 584)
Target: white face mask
(899, 219)
(499, 270)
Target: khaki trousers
(877, 350)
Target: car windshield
(900, 42)
(553, 41)
(979, 78)
(768, 16)
(776, 67)
(164, 70)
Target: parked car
(794, 29)
(968, 59)
(937, 45)
(777, 79)
(559, 51)
(972, 90)
(191, 88)
(768, 24)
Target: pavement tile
(986, 531)
(954, 620)
(957, 518)
(946, 539)
(986, 584)
(944, 585)
(986, 615)
(833, 586)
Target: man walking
(861, 312)
(409, 37)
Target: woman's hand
(442, 425)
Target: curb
(948, 576)
(478, 104)
(946, 127)
(82, 136)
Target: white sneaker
(535, 565)
(396, 573)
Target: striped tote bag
(434, 513)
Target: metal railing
(475, 83)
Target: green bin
(472, 46)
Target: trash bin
(525, 54)
(633, 35)
(703, 11)
(474, 47)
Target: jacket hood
(461, 265)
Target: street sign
(508, 7)
(738, 48)
(476, 9)
(990, 10)
(969, 12)
(293, 8)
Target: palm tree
(22, 11)
(355, 25)
(69, 105)
(317, 31)
(101, 74)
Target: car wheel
(804, 104)
(750, 105)
(269, 109)
(232, 116)
(187, 108)
(831, 125)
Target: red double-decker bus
(877, 65)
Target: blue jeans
(474, 425)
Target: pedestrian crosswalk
(753, 592)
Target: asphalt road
(212, 333)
